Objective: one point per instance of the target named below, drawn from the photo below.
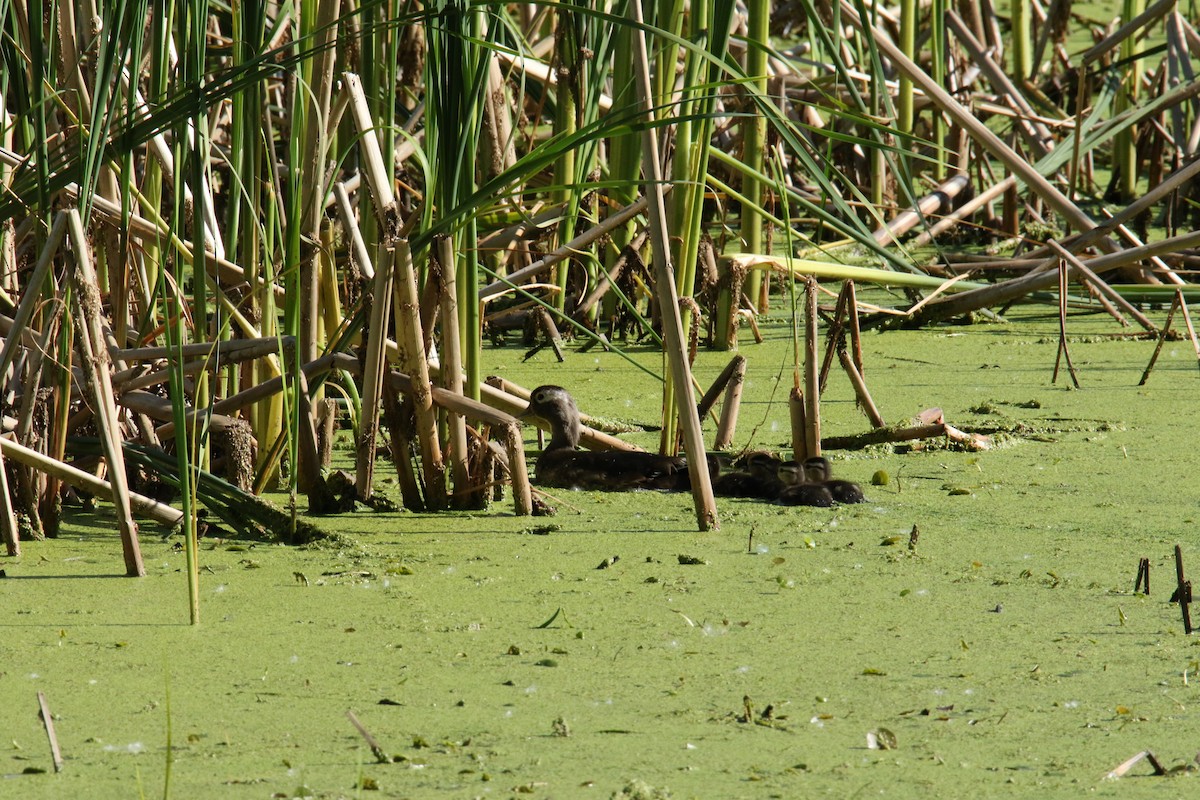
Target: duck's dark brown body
(562, 465)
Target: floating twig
(926, 430)
(48, 722)
(1130, 763)
(376, 750)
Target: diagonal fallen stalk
(147, 507)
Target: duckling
(798, 491)
(756, 477)
(562, 465)
(818, 471)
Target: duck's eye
(539, 397)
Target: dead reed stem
(664, 286)
(709, 399)
(98, 384)
(964, 211)
(812, 382)
(1103, 289)
(933, 430)
(855, 331)
(160, 512)
(834, 335)
(1183, 591)
(373, 378)
(860, 389)
(1187, 321)
(361, 259)
(926, 206)
(568, 250)
(1162, 337)
(609, 278)
(1063, 350)
(517, 470)
(379, 182)
(308, 470)
(380, 754)
(412, 349)
(452, 373)
(8, 520)
(399, 415)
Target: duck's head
(558, 409)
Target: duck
(563, 465)
(798, 490)
(817, 471)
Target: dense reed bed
(228, 229)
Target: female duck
(562, 465)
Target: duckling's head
(817, 470)
(790, 473)
(558, 409)
(761, 464)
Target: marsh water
(802, 652)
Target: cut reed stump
(799, 428)
(730, 380)
(1183, 591)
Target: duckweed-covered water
(1005, 655)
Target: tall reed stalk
(754, 140)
